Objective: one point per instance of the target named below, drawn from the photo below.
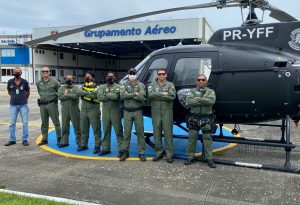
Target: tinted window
(156, 64)
(187, 70)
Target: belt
(132, 109)
(48, 102)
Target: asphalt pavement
(34, 170)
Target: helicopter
(254, 70)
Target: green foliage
(11, 199)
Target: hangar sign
(156, 30)
(194, 28)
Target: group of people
(161, 94)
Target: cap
(131, 70)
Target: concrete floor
(34, 170)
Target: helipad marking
(52, 150)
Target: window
(53, 72)
(7, 72)
(156, 64)
(74, 73)
(62, 73)
(8, 52)
(61, 56)
(187, 70)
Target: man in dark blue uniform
(19, 91)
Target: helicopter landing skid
(284, 142)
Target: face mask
(87, 80)
(69, 82)
(17, 75)
(110, 80)
(132, 77)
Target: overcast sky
(20, 16)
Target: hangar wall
(62, 63)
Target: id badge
(17, 92)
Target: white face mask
(132, 77)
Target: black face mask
(110, 80)
(87, 80)
(17, 75)
(69, 82)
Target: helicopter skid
(284, 142)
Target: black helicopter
(254, 69)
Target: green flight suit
(69, 112)
(201, 103)
(90, 115)
(109, 95)
(48, 107)
(162, 115)
(133, 113)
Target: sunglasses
(132, 73)
(161, 74)
(202, 80)
(45, 71)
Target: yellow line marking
(49, 149)
(20, 124)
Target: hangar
(115, 47)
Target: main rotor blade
(77, 30)
(279, 14)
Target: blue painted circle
(179, 144)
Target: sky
(20, 16)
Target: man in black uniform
(19, 91)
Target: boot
(120, 154)
(125, 155)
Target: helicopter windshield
(139, 68)
(187, 69)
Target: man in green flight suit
(162, 94)
(200, 99)
(90, 113)
(109, 95)
(69, 98)
(133, 94)
(47, 88)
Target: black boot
(211, 163)
(125, 155)
(142, 157)
(120, 154)
(96, 150)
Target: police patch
(295, 42)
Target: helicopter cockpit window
(156, 64)
(187, 69)
(139, 68)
